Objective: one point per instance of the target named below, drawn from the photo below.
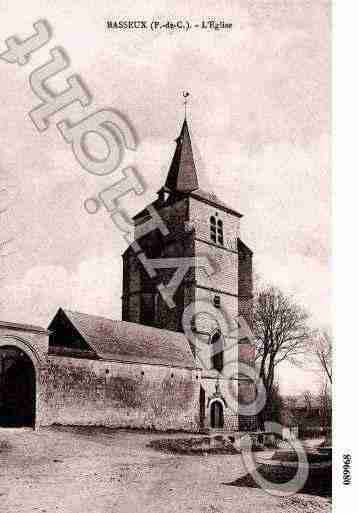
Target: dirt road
(73, 470)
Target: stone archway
(216, 412)
(17, 386)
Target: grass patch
(194, 446)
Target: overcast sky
(259, 117)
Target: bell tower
(185, 222)
(194, 223)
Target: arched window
(220, 232)
(213, 229)
(217, 351)
(216, 230)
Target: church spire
(182, 175)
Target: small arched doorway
(17, 388)
(217, 421)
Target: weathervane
(185, 96)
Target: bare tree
(325, 412)
(323, 352)
(274, 407)
(308, 401)
(281, 332)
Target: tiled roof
(131, 342)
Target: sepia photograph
(166, 331)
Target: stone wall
(92, 392)
(225, 264)
(188, 221)
(79, 391)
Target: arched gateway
(17, 388)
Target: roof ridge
(145, 326)
(91, 315)
(205, 196)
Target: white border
(346, 248)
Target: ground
(92, 470)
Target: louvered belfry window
(213, 228)
(216, 230)
(220, 231)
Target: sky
(259, 116)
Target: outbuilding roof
(130, 342)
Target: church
(144, 371)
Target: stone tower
(197, 223)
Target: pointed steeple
(182, 175)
